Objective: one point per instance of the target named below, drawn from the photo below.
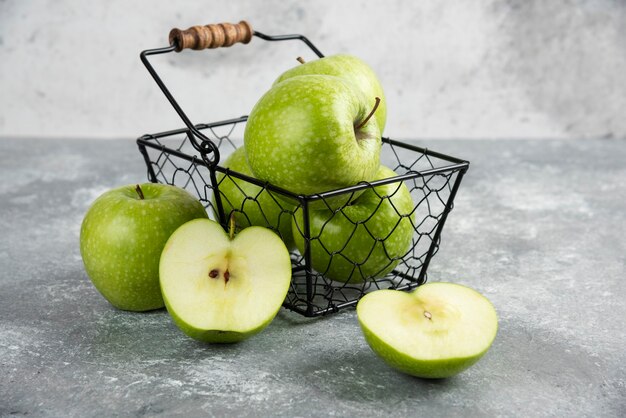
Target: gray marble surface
(538, 227)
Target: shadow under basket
(330, 271)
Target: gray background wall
(463, 69)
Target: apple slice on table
(349, 68)
(221, 288)
(122, 237)
(313, 133)
(251, 204)
(436, 331)
(363, 240)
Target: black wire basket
(326, 276)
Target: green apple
(436, 331)
(253, 205)
(122, 236)
(350, 68)
(221, 288)
(363, 240)
(313, 133)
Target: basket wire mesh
(190, 158)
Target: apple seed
(214, 273)
(428, 315)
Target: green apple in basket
(364, 239)
(122, 236)
(251, 204)
(222, 288)
(313, 133)
(436, 331)
(350, 68)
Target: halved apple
(436, 331)
(221, 288)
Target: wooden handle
(211, 36)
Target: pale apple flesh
(436, 331)
(221, 290)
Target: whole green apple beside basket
(122, 236)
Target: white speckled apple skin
(122, 237)
(364, 240)
(301, 135)
(350, 68)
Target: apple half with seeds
(222, 288)
(436, 331)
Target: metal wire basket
(190, 157)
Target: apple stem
(139, 192)
(231, 225)
(301, 60)
(368, 117)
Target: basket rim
(457, 164)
